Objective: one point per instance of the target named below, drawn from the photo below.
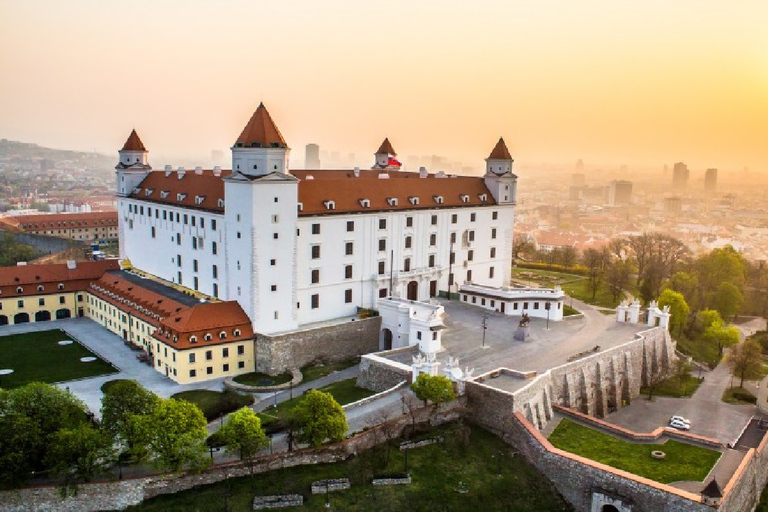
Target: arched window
(40, 288)
(60, 286)
(236, 332)
(193, 339)
(222, 335)
(208, 337)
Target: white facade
(287, 266)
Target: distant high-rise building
(579, 165)
(620, 193)
(680, 176)
(578, 179)
(312, 158)
(710, 180)
(673, 205)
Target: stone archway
(63, 313)
(413, 290)
(3, 320)
(21, 318)
(386, 339)
(42, 316)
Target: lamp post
(485, 327)
(275, 404)
(327, 497)
(270, 444)
(547, 306)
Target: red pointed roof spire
(500, 151)
(133, 143)
(261, 131)
(387, 148)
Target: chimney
(423, 172)
(181, 171)
(168, 170)
(357, 172)
(217, 171)
(71, 264)
(198, 170)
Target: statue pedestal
(523, 333)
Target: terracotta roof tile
(261, 131)
(48, 221)
(500, 151)
(202, 191)
(133, 143)
(387, 148)
(49, 276)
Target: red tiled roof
(500, 151)
(49, 276)
(133, 143)
(202, 191)
(208, 318)
(60, 221)
(386, 147)
(316, 188)
(261, 131)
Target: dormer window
(175, 339)
(19, 290)
(199, 199)
(164, 194)
(464, 198)
(147, 192)
(438, 199)
(300, 206)
(255, 144)
(236, 332)
(180, 197)
(414, 200)
(40, 288)
(392, 201)
(220, 203)
(365, 203)
(193, 339)
(137, 190)
(483, 197)
(222, 335)
(60, 286)
(330, 205)
(208, 337)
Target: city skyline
(646, 85)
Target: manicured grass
(737, 395)
(38, 357)
(569, 311)
(215, 403)
(344, 391)
(437, 471)
(314, 372)
(683, 461)
(580, 290)
(262, 379)
(675, 387)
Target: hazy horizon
(637, 84)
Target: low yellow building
(77, 226)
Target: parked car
(679, 425)
(680, 419)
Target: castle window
(193, 339)
(472, 217)
(407, 242)
(392, 201)
(350, 225)
(148, 192)
(349, 248)
(365, 203)
(382, 223)
(414, 200)
(330, 205)
(348, 296)
(220, 204)
(236, 332)
(199, 199)
(180, 197)
(40, 288)
(207, 337)
(483, 197)
(315, 229)
(19, 290)
(494, 215)
(493, 232)
(493, 252)
(315, 301)
(438, 199)
(222, 335)
(464, 198)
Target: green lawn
(215, 403)
(262, 379)
(580, 290)
(344, 391)
(314, 372)
(675, 387)
(737, 395)
(572, 284)
(699, 350)
(683, 461)
(467, 461)
(38, 357)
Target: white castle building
(298, 247)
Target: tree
(721, 336)
(727, 300)
(174, 435)
(21, 438)
(678, 308)
(570, 256)
(719, 266)
(745, 360)
(320, 417)
(243, 435)
(686, 283)
(617, 278)
(122, 400)
(433, 388)
(641, 246)
(523, 245)
(596, 263)
(12, 252)
(78, 454)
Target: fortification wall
(280, 353)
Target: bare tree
(596, 262)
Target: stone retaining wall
(360, 403)
(377, 373)
(338, 342)
(120, 495)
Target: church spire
(133, 143)
(500, 151)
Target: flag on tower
(394, 162)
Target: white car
(679, 425)
(680, 419)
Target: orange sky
(648, 83)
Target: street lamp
(270, 444)
(485, 327)
(275, 404)
(547, 306)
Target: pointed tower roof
(712, 490)
(261, 131)
(133, 143)
(387, 148)
(500, 151)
